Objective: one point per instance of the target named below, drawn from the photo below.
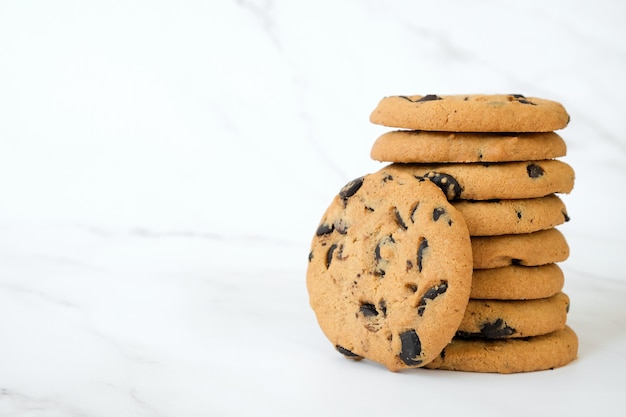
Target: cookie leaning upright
(471, 113)
(389, 272)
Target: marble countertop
(163, 166)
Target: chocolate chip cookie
(389, 271)
(471, 113)
(508, 356)
(502, 180)
(516, 282)
(528, 249)
(512, 216)
(498, 319)
(408, 146)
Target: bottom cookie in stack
(506, 356)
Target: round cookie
(498, 319)
(506, 356)
(408, 146)
(471, 113)
(517, 282)
(504, 180)
(527, 249)
(505, 217)
(389, 271)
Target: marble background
(163, 166)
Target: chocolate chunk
(415, 209)
(350, 188)
(409, 265)
(438, 212)
(491, 200)
(521, 99)
(565, 216)
(429, 97)
(347, 353)
(519, 214)
(310, 256)
(324, 229)
(411, 348)
(382, 305)
(534, 171)
(378, 257)
(431, 294)
(329, 254)
(340, 226)
(368, 309)
(399, 219)
(448, 184)
(384, 241)
(516, 261)
(496, 330)
(420, 253)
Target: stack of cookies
(447, 257)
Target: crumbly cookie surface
(409, 146)
(503, 180)
(508, 356)
(389, 271)
(471, 113)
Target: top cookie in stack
(471, 113)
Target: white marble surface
(163, 166)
